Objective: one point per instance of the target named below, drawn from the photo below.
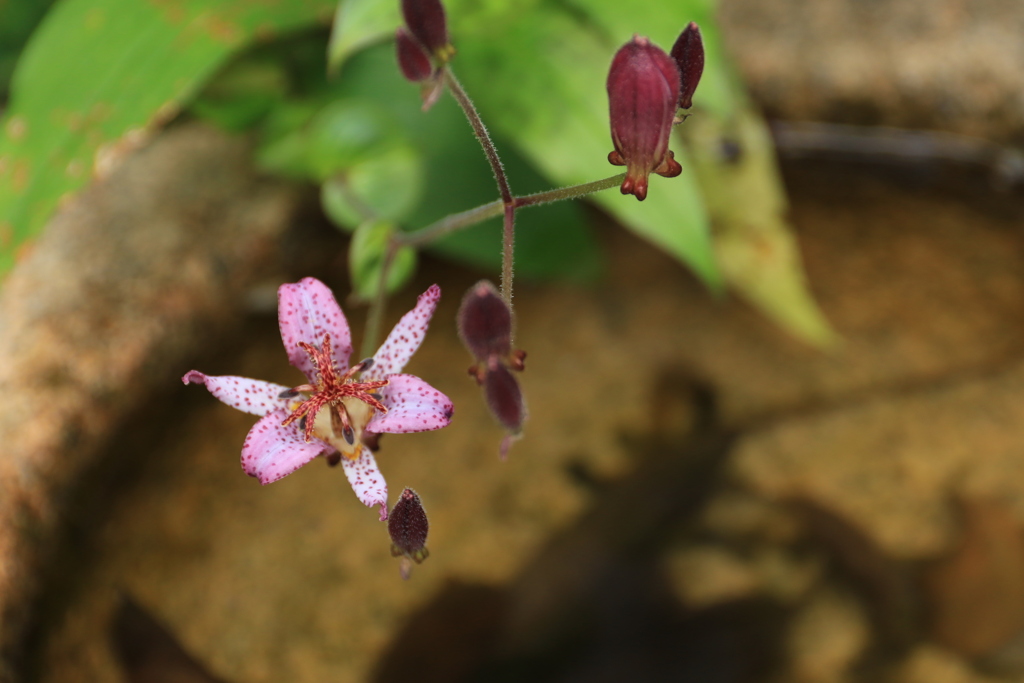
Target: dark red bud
(643, 96)
(485, 322)
(504, 397)
(425, 19)
(689, 55)
(412, 59)
(408, 526)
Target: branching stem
(460, 221)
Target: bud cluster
(646, 87)
(485, 327)
(423, 46)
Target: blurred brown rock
(946, 64)
(976, 594)
(128, 281)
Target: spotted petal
(413, 406)
(271, 451)
(307, 310)
(405, 338)
(367, 481)
(249, 395)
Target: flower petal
(271, 451)
(367, 481)
(248, 395)
(413, 406)
(306, 310)
(405, 338)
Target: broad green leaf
(97, 69)
(17, 20)
(358, 24)
(755, 247)
(537, 74)
(552, 241)
(366, 259)
(387, 186)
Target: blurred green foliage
(18, 18)
(97, 69)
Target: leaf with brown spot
(99, 72)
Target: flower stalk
(507, 199)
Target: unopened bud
(689, 55)
(426, 21)
(643, 96)
(412, 60)
(485, 322)
(408, 526)
(504, 397)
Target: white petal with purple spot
(248, 395)
(413, 406)
(306, 311)
(405, 338)
(367, 481)
(271, 451)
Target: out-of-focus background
(776, 423)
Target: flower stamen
(330, 389)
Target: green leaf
(387, 186)
(97, 69)
(743, 193)
(537, 73)
(366, 259)
(358, 24)
(553, 241)
(242, 94)
(756, 248)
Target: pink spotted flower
(342, 410)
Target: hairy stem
(460, 221)
(571, 192)
(449, 224)
(491, 152)
(467, 219)
(481, 134)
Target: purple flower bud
(689, 55)
(408, 526)
(643, 95)
(412, 59)
(425, 19)
(504, 397)
(485, 322)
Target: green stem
(454, 223)
(571, 192)
(449, 224)
(480, 131)
(375, 316)
(508, 201)
(467, 219)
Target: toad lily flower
(342, 410)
